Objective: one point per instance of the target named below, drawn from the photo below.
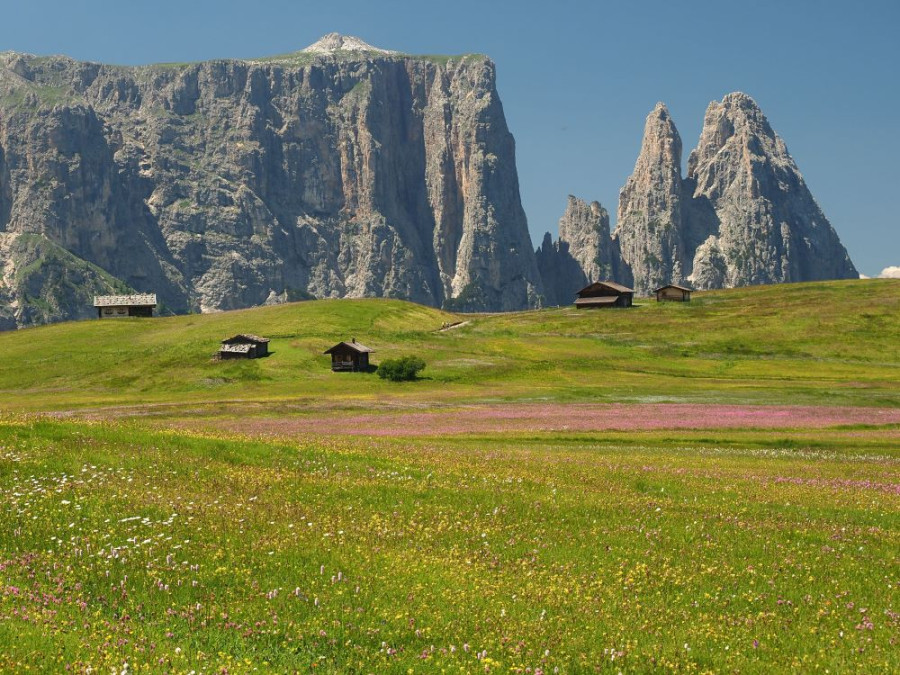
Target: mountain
(341, 170)
(742, 216)
(649, 221)
(583, 253)
(748, 199)
(345, 170)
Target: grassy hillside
(832, 343)
(255, 538)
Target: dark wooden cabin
(244, 346)
(604, 294)
(349, 356)
(122, 306)
(673, 293)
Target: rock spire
(584, 253)
(743, 215)
(768, 226)
(649, 222)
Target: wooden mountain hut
(673, 293)
(122, 306)
(349, 356)
(244, 346)
(604, 294)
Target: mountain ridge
(742, 215)
(231, 183)
(346, 170)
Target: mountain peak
(741, 99)
(661, 139)
(335, 42)
(740, 106)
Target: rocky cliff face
(42, 282)
(751, 202)
(342, 171)
(348, 171)
(649, 223)
(742, 216)
(584, 252)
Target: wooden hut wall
(349, 359)
(344, 358)
(673, 294)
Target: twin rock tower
(743, 215)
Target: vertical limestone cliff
(338, 171)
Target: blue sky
(577, 78)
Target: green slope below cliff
(831, 342)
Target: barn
(244, 346)
(122, 306)
(673, 293)
(349, 356)
(602, 294)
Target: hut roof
(676, 286)
(236, 349)
(245, 338)
(612, 285)
(588, 302)
(138, 300)
(354, 345)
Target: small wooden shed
(604, 294)
(673, 293)
(122, 306)
(349, 356)
(244, 346)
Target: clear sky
(577, 78)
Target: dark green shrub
(398, 370)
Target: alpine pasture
(701, 487)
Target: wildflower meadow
(703, 488)
(156, 551)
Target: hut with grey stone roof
(243, 346)
(123, 306)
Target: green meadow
(163, 512)
(828, 343)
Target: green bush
(398, 370)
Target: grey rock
(585, 227)
(710, 268)
(743, 215)
(770, 228)
(649, 222)
(584, 252)
(343, 171)
(335, 42)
